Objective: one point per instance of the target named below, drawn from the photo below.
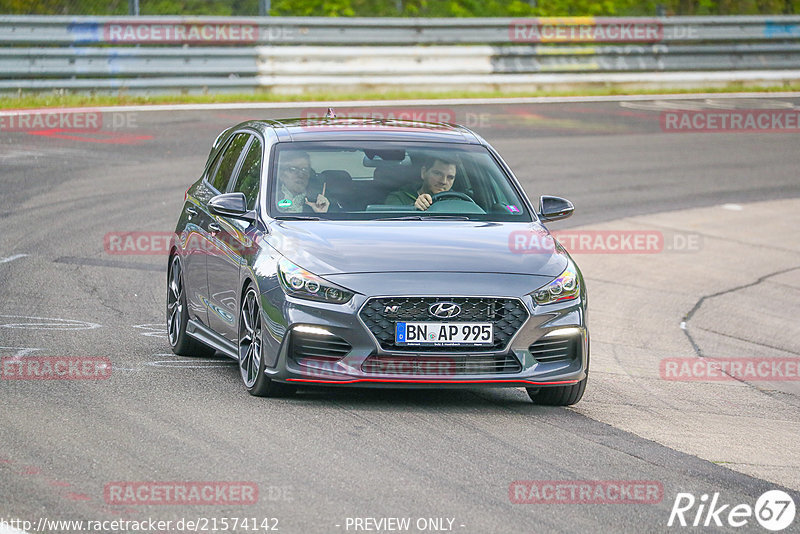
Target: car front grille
(307, 348)
(555, 349)
(441, 365)
(381, 313)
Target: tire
(250, 345)
(558, 395)
(177, 316)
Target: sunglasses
(295, 170)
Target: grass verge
(62, 99)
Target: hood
(348, 247)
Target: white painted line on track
(733, 207)
(152, 329)
(19, 351)
(384, 103)
(12, 258)
(200, 364)
(46, 323)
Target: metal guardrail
(125, 62)
(625, 58)
(292, 54)
(62, 30)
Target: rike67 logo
(774, 510)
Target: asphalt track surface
(324, 455)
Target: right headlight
(566, 286)
(300, 283)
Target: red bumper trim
(396, 381)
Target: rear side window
(228, 162)
(250, 174)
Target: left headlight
(566, 286)
(300, 283)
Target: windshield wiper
(425, 218)
(296, 218)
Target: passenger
(294, 173)
(438, 174)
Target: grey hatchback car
(374, 253)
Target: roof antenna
(330, 114)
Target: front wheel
(558, 395)
(251, 361)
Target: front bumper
(368, 364)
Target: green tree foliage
(407, 8)
(314, 8)
(63, 7)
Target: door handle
(214, 227)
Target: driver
(438, 174)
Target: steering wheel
(451, 194)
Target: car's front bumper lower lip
(343, 321)
(451, 382)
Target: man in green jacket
(438, 174)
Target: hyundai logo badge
(445, 310)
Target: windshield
(361, 180)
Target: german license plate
(444, 333)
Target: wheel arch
(246, 282)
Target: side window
(250, 174)
(228, 162)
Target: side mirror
(554, 208)
(231, 205)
